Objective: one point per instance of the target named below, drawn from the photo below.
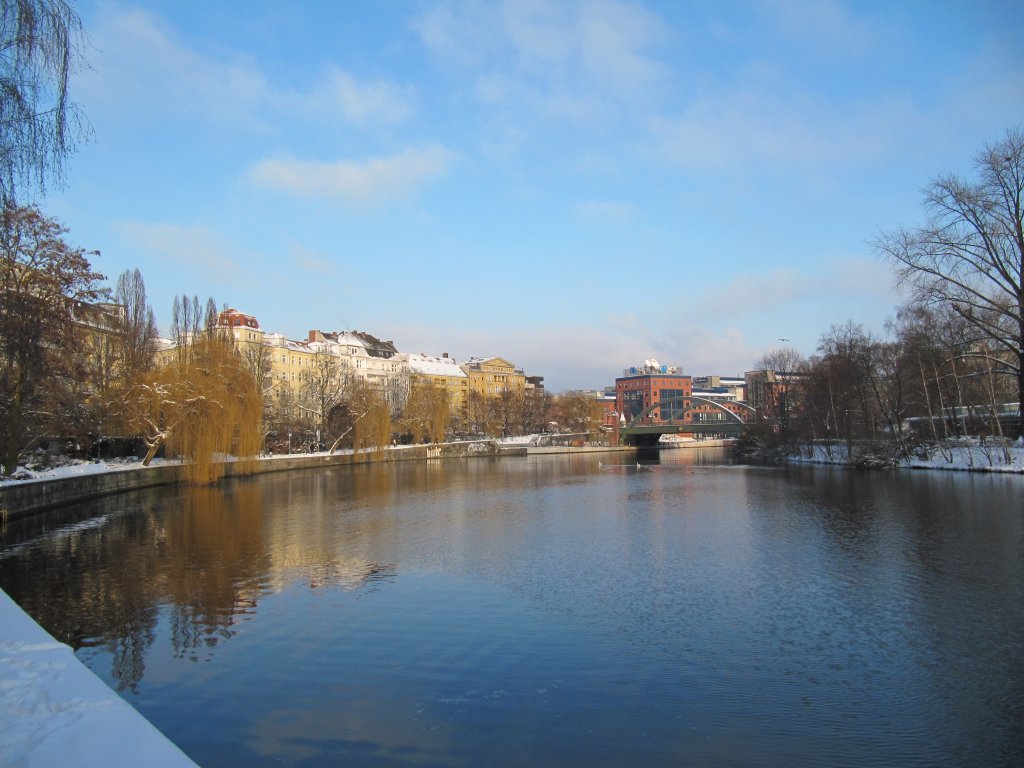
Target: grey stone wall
(25, 498)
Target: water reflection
(561, 610)
(202, 560)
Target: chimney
(444, 355)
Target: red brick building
(651, 385)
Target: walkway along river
(551, 611)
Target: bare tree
(786, 365)
(324, 385)
(508, 409)
(137, 331)
(41, 280)
(574, 412)
(537, 404)
(427, 412)
(970, 253)
(39, 124)
(480, 416)
(257, 358)
(362, 416)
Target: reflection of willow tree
(216, 554)
(85, 602)
(201, 404)
(113, 606)
(103, 586)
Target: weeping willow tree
(358, 418)
(427, 412)
(203, 406)
(373, 431)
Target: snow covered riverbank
(55, 711)
(963, 455)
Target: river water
(552, 611)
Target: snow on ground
(55, 711)
(77, 468)
(964, 455)
(518, 440)
(970, 455)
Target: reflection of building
(774, 394)
(663, 389)
(442, 372)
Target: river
(551, 611)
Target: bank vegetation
(947, 375)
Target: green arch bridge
(647, 435)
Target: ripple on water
(553, 613)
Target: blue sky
(576, 187)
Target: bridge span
(639, 433)
(647, 435)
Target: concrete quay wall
(29, 497)
(57, 712)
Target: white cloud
(362, 103)
(706, 349)
(568, 356)
(312, 261)
(201, 249)
(376, 180)
(614, 37)
(605, 212)
(748, 129)
(825, 24)
(553, 59)
(140, 64)
(760, 294)
(190, 260)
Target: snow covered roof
(373, 346)
(233, 318)
(427, 365)
(477, 362)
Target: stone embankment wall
(35, 496)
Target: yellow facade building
(359, 353)
(442, 372)
(491, 376)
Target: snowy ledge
(32, 491)
(55, 711)
(964, 456)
